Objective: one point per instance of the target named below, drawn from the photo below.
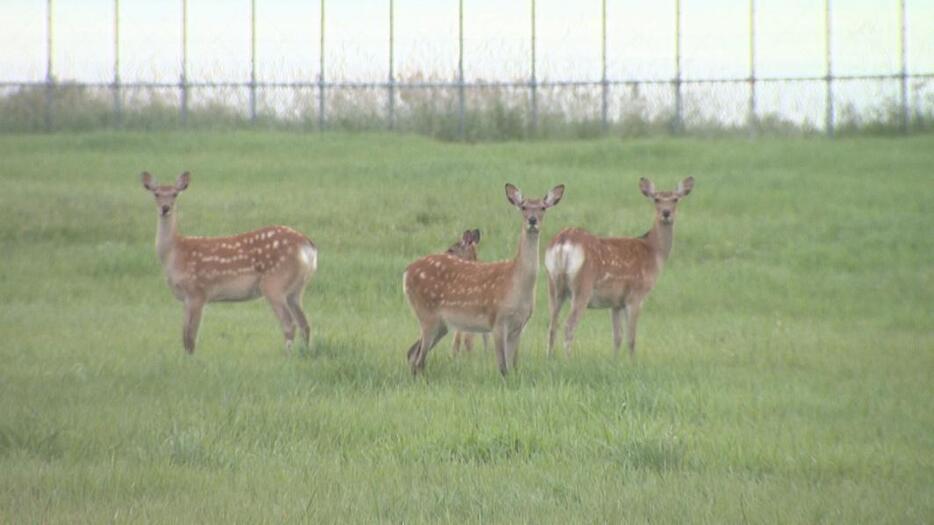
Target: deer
(275, 262)
(610, 272)
(446, 291)
(466, 248)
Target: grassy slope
(785, 358)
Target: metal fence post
(752, 117)
(49, 78)
(829, 117)
(604, 84)
(678, 123)
(321, 116)
(904, 65)
(183, 79)
(461, 131)
(533, 82)
(253, 61)
(118, 100)
(391, 85)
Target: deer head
(166, 195)
(666, 202)
(466, 247)
(533, 210)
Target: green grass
(785, 359)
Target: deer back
(613, 267)
(232, 267)
(443, 281)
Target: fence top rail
(480, 84)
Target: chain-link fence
(433, 102)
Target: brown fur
(276, 262)
(466, 248)
(614, 272)
(446, 291)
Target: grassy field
(784, 369)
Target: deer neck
(166, 235)
(660, 239)
(526, 262)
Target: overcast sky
(640, 42)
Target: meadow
(783, 373)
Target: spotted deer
(275, 262)
(445, 291)
(466, 248)
(610, 272)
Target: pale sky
(640, 40)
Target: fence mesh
(585, 72)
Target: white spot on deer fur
(421, 275)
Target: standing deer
(448, 292)
(275, 262)
(610, 272)
(466, 248)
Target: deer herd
(446, 291)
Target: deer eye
(657, 200)
(676, 199)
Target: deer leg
(468, 342)
(294, 301)
(486, 341)
(512, 346)
(632, 318)
(193, 309)
(281, 309)
(579, 302)
(499, 343)
(616, 315)
(430, 337)
(456, 346)
(556, 299)
(413, 351)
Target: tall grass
(491, 112)
(784, 359)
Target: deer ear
(476, 236)
(648, 189)
(148, 183)
(554, 196)
(685, 186)
(514, 195)
(182, 181)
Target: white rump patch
(309, 256)
(564, 258)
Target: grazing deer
(610, 272)
(448, 292)
(275, 262)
